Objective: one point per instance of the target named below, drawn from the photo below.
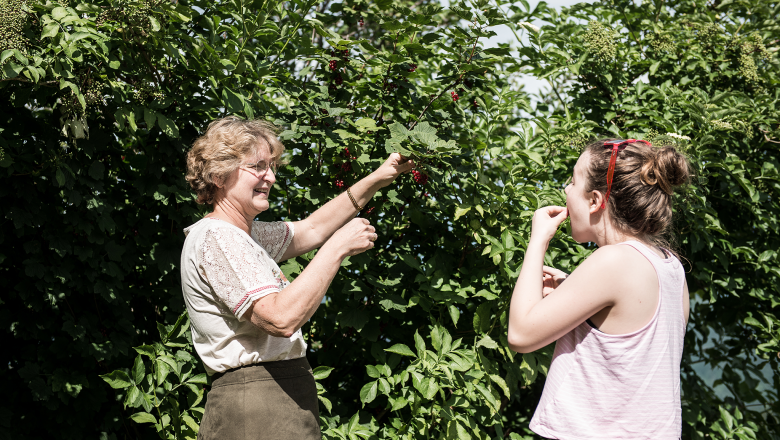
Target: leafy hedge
(105, 98)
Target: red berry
(474, 103)
(412, 67)
(333, 64)
(369, 210)
(419, 177)
(454, 96)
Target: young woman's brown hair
(640, 201)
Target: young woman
(619, 319)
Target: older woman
(246, 317)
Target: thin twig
(471, 57)
(766, 138)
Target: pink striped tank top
(603, 386)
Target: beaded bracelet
(354, 202)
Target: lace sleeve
(274, 237)
(235, 269)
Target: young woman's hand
(546, 221)
(551, 279)
(393, 167)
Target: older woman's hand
(393, 167)
(355, 237)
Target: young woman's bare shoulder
(612, 257)
(621, 265)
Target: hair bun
(666, 168)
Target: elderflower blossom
(678, 136)
(722, 125)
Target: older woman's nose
(270, 176)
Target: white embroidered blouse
(223, 271)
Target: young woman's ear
(594, 201)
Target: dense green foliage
(105, 98)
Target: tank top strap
(646, 251)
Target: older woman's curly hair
(227, 143)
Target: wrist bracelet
(354, 202)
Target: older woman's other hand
(393, 167)
(354, 238)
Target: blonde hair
(223, 148)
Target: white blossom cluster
(678, 136)
(722, 125)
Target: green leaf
(654, 67)
(461, 211)
(368, 392)
(454, 314)
(487, 342)
(49, 31)
(147, 350)
(168, 127)
(372, 371)
(533, 155)
(419, 344)
(322, 372)
(138, 371)
(401, 349)
(190, 422)
(143, 417)
(117, 379)
(59, 13)
(200, 379)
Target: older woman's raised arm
(315, 230)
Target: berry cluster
(412, 67)
(12, 21)
(361, 23)
(339, 80)
(419, 178)
(340, 184)
(333, 64)
(146, 93)
(662, 42)
(135, 15)
(347, 155)
(94, 94)
(753, 44)
(454, 96)
(600, 41)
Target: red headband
(616, 146)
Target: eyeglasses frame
(273, 166)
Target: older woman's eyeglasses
(262, 166)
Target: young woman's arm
(535, 320)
